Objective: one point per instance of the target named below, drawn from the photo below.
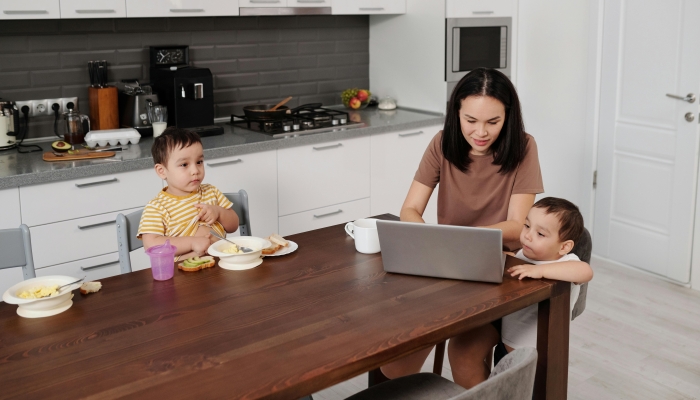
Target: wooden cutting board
(80, 154)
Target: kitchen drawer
(65, 200)
(323, 217)
(256, 173)
(308, 3)
(10, 210)
(34, 9)
(369, 7)
(93, 268)
(93, 8)
(480, 8)
(75, 239)
(262, 3)
(181, 8)
(395, 159)
(319, 175)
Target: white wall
(407, 55)
(553, 73)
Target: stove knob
(343, 121)
(335, 122)
(287, 128)
(295, 127)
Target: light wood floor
(639, 338)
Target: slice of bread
(272, 249)
(90, 287)
(192, 268)
(277, 239)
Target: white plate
(239, 267)
(285, 250)
(44, 303)
(22, 312)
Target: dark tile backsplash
(253, 59)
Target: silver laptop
(442, 251)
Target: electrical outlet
(51, 102)
(67, 100)
(39, 108)
(21, 104)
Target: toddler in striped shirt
(186, 209)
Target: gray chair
(128, 225)
(582, 248)
(512, 379)
(16, 250)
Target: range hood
(285, 10)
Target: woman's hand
(415, 203)
(209, 213)
(526, 270)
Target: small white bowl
(252, 242)
(44, 303)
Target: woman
(489, 174)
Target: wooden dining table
(292, 326)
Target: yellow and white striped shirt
(176, 216)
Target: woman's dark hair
(509, 148)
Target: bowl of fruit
(355, 99)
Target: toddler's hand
(200, 244)
(526, 270)
(209, 213)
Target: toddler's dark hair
(171, 139)
(570, 218)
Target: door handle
(216, 164)
(333, 146)
(83, 227)
(690, 117)
(327, 214)
(97, 266)
(690, 98)
(82, 185)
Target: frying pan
(258, 112)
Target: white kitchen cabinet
(77, 198)
(308, 3)
(323, 217)
(369, 7)
(480, 8)
(324, 174)
(75, 239)
(262, 3)
(34, 9)
(181, 8)
(9, 208)
(93, 8)
(395, 159)
(92, 268)
(256, 173)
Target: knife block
(104, 108)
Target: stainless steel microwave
(477, 42)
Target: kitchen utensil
(162, 261)
(104, 107)
(97, 150)
(58, 290)
(259, 112)
(280, 104)
(134, 102)
(80, 154)
(74, 131)
(243, 249)
(387, 103)
(188, 93)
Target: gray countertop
(29, 169)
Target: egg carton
(112, 137)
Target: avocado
(60, 146)
(196, 260)
(189, 264)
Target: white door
(647, 151)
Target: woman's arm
(568, 271)
(518, 207)
(416, 201)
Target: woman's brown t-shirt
(480, 196)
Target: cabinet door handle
(83, 227)
(97, 266)
(311, 1)
(333, 146)
(216, 164)
(371, 8)
(264, 1)
(410, 134)
(186, 10)
(95, 11)
(24, 12)
(482, 12)
(327, 214)
(82, 185)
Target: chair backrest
(513, 378)
(583, 249)
(128, 226)
(240, 206)
(16, 250)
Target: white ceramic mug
(364, 231)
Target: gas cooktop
(303, 120)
